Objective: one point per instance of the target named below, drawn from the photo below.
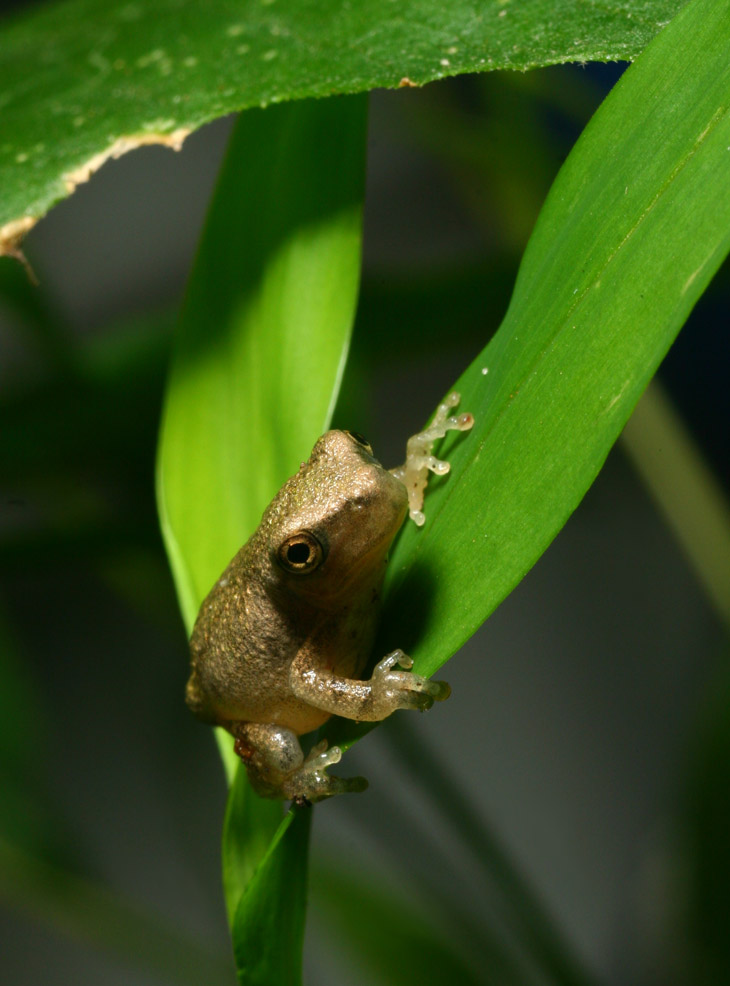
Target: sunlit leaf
(264, 330)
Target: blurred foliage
(71, 486)
(26, 819)
(397, 938)
(701, 946)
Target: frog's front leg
(419, 455)
(277, 768)
(366, 701)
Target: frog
(284, 637)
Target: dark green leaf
(85, 80)
(248, 829)
(268, 927)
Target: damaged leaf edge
(12, 233)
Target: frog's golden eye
(301, 553)
(361, 440)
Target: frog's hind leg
(277, 768)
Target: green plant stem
(682, 485)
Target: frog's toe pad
(319, 757)
(423, 693)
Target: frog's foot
(277, 768)
(402, 689)
(419, 459)
(311, 782)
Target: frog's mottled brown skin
(284, 636)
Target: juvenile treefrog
(282, 639)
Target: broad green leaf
(268, 926)
(264, 330)
(635, 226)
(261, 344)
(85, 80)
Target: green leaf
(268, 927)
(635, 226)
(250, 825)
(264, 330)
(259, 354)
(85, 80)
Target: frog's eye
(361, 440)
(301, 553)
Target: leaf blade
(161, 71)
(268, 315)
(249, 826)
(608, 278)
(268, 926)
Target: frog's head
(331, 525)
